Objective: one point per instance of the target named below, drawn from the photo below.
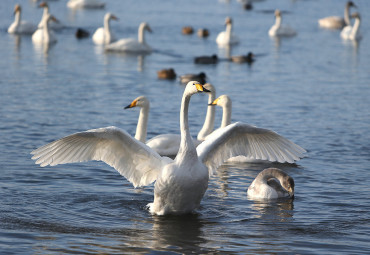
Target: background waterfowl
(249, 58)
(89, 4)
(203, 32)
(20, 26)
(279, 29)
(271, 183)
(104, 35)
(81, 33)
(336, 22)
(132, 45)
(168, 74)
(227, 38)
(188, 30)
(206, 59)
(201, 77)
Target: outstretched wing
(243, 139)
(130, 157)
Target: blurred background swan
(52, 25)
(279, 29)
(132, 45)
(352, 32)
(271, 183)
(104, 35)
(75, 4)
(227, 38)
(44, 35)
(20, 26)
(336, 22)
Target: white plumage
(279, 29)
(352, 32)
(104, 35)
(227, 37)
(20, 26)
(75, 4)
(337, 22)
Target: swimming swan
(279, 29)
(20, 26)
(271, 183)
(44, 35)
(336, 22)
(74, 4)
(53, 25)
(352, 33)
(281, 144)
(104, 35)
(169, 144)
(132, 45)
(227, 38)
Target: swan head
(223, 101)
(43, 5)
(146, 27)
(288, 185)
(140, 101)
(110, 16)
(194, 87)
(277, 13)
(355, 15)
(17, 8)
(228, 21)
(351, 4)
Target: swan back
(271, 183)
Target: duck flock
(179, 164)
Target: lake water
(313, 89)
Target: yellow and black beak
(201, 88)
(214, 102)
(133, 104)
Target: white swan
(75, 4)
(282, 144)
(180, 183)
(44, 35)
(20, 26)
(279, 29)
(169, 144)
(104, 35)
(53, 25)
(336, 22)
(132, 45)
(227, 37)
(271, 183)
(352, 33)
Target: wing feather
(130, 157)
(243, 139)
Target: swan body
(337, 22)
(44, 35)
(20, 26)
(132, 45)
(104, 35)
(53, 25)
(180, 183)
(271, 183)
(75, 4)
(281, 144)
(352, 33)
(227, 38)
(279, 29)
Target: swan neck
(45, 31)
(107, 31)
(347, 20)
(355, 28)
(17, 18)
(142, 124)
(271, 173)
(278, 21)
(209, 122)
(226, 115)
(141, 36)
(186, 145)
(229, 29)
